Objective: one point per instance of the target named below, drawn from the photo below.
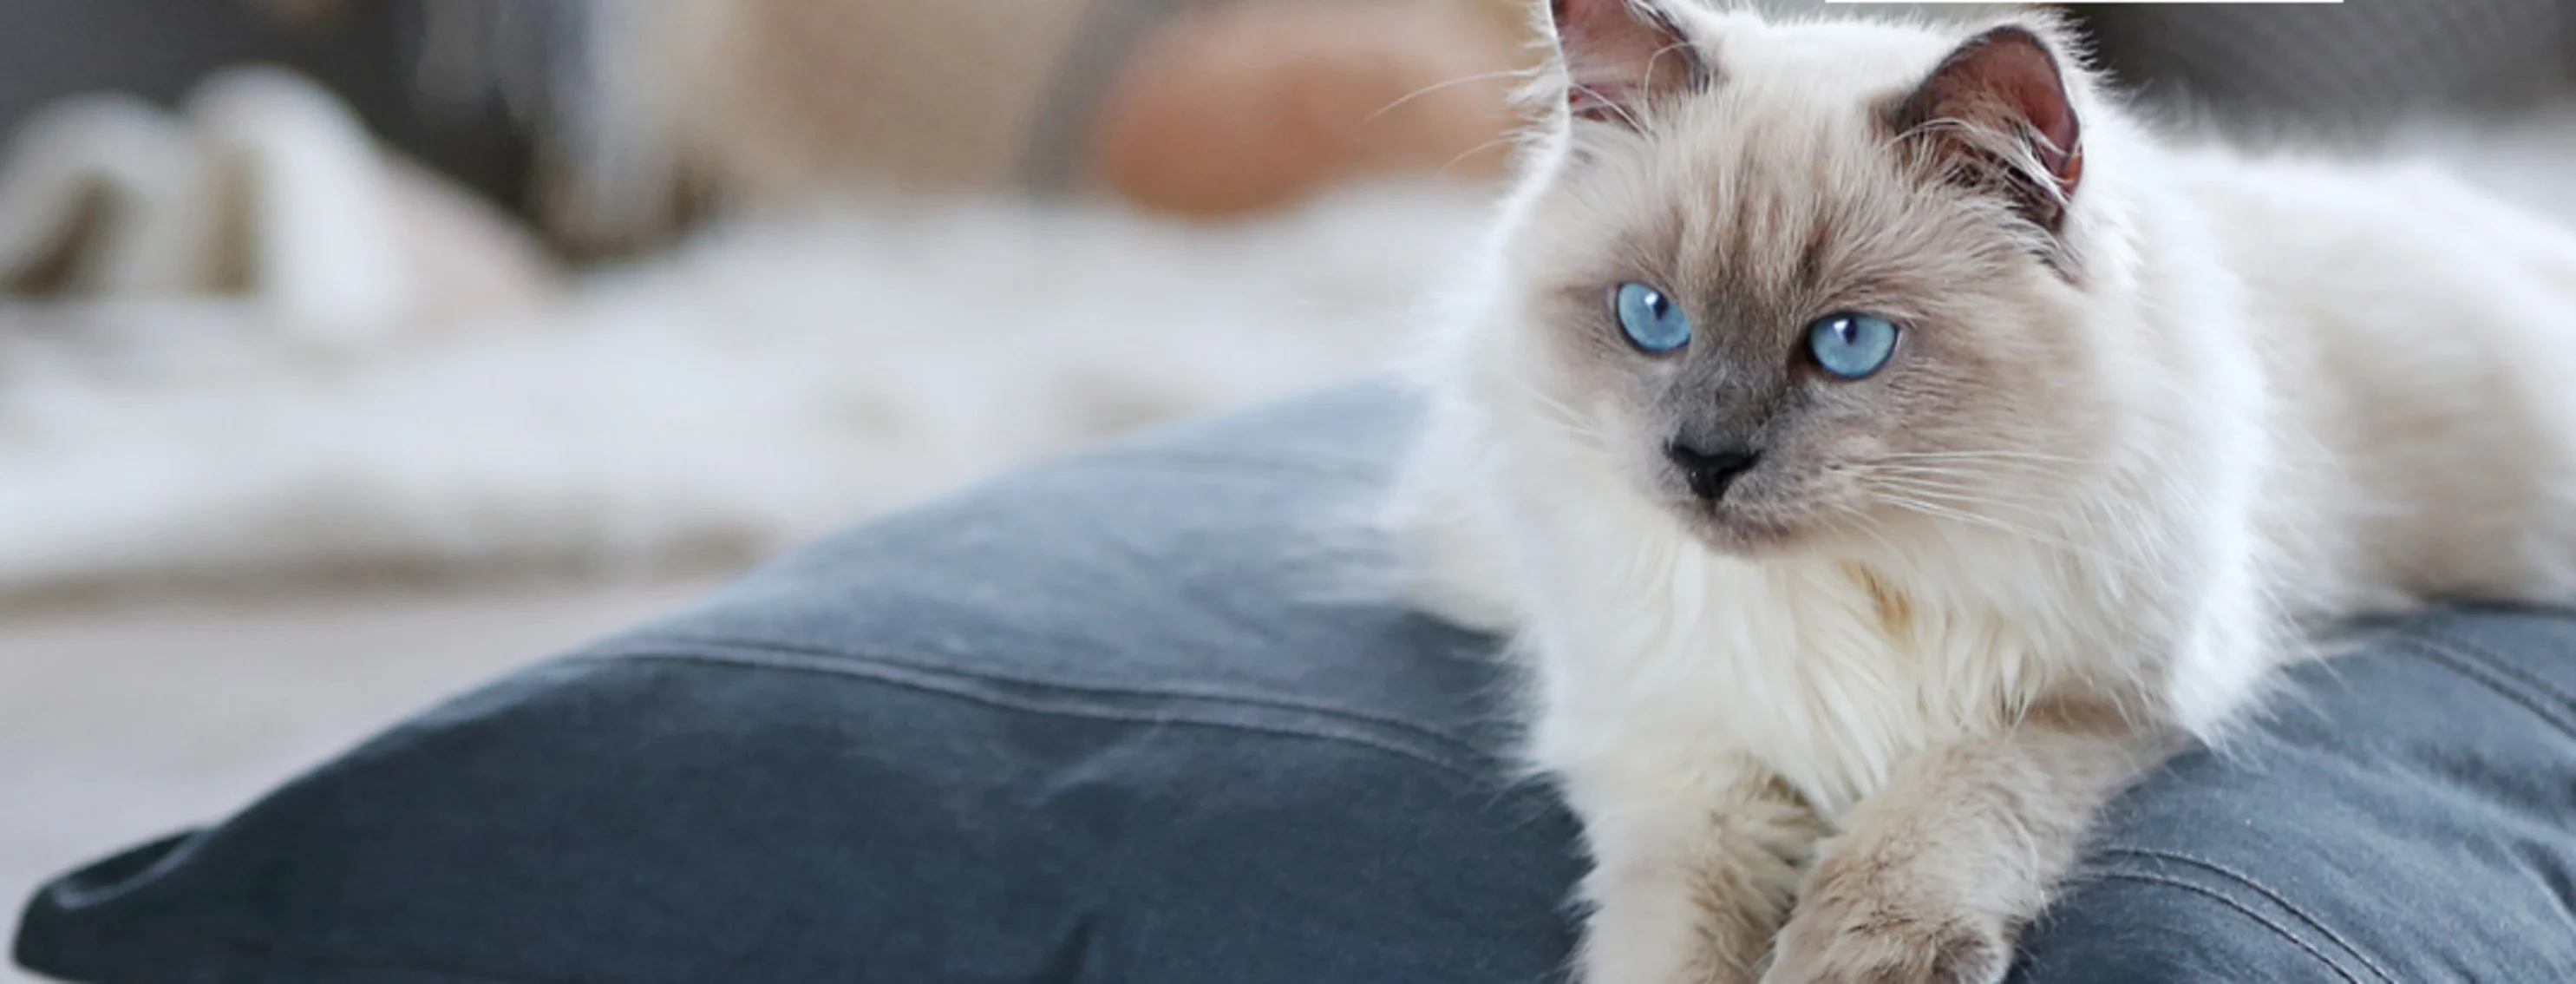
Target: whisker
(1473, 151)
(1564, 415)
(1989, 522)
(1953, 488)
(1951, 475)
(2089, 502)
(1958, 510)
(1858, 520)
(1437, 86)
(1983, 455)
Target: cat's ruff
(2157, 409)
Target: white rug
(772, 381)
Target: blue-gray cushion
(1150, 716)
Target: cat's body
(2141, 428)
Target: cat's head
(1803, 281)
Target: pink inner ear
(2009, 73)
(1619, 52)
(2032, 83)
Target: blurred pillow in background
(1208, 108)
(638, 115)
(1205, 108)
(2339, 70)
(1240, 107)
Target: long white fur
(2326, 388)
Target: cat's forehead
(1775, 202)
(1790, 97)
(1799, 90)
(1826, 59)
(1780, 182)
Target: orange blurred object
(1248, 106)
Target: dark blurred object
(371, 53)
(2338, 69)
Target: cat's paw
(1881, 931)
(1666, 930)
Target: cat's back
(2416, 332)
(2314, 229)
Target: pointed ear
(1620, 53)
(1997, 116)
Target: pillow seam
(250, 953)
(2276, 897)
(930, 682)
(2236, 905)
(723, 643)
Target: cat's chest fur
(1828, 671)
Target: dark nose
(1710, 472)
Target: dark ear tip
(2010, 83)
(2068, 51)
(2010, 39)
(2021, 33)
(2010, 57)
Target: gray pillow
(1123, 718)
(1148, 717)
(2346, 69)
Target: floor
(124, 722)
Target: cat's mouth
(1737, 531)
(1725, 513)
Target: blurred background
(354, 350)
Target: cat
(1885, 449)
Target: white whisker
(1994, 455)
(1507, 138)
(1437, 86)
(1961, 510)
(1563, 415)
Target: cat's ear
(1997, 115)
(1620, 53)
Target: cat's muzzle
(1710, 471)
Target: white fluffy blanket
(768, 382)
(313, 394)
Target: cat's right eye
(1653, 322)
(1852, 345)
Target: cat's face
(1784, 310)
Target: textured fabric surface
(2350, 67)
(2406, 814)
(1150, 717)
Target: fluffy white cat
(1884, 449)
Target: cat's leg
(1693, 870)
(1932, 878)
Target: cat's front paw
(1675, 936)
(1876, 928)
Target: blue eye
(1852, 345)
(1651, 320)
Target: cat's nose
(1711, 471)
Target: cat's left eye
(1652, 321)
(1852, 345)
